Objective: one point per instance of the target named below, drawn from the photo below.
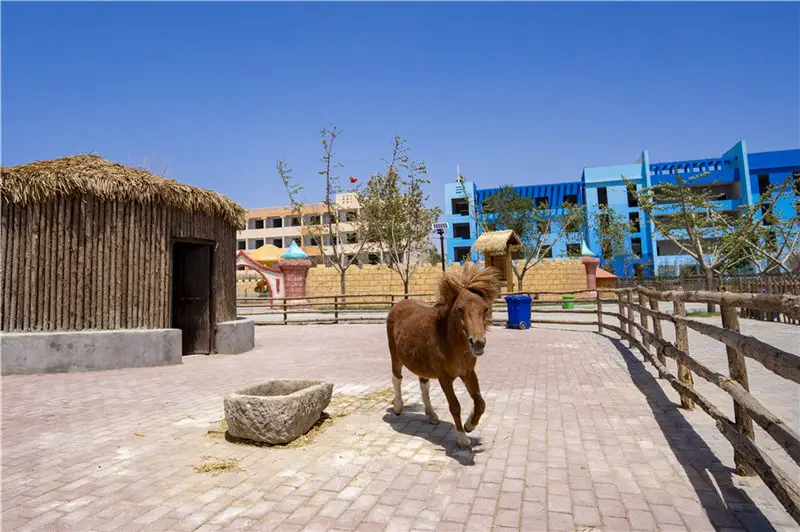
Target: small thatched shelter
(91, 246)
(497, 247)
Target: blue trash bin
(519, 311)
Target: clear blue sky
(514, 93)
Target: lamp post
(439, 227)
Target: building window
(547, 253)
(571, 199)
(351, 238)
(542, 202)
(573, 250)
(542, 228)
(461, 231)
(259, 242)
(314, 219)
(633, 198)
(277, 242)
(351, 216)
(634, 219)
(767, 214)
(277, 222)
(607, 253)
(259, 223)
(372, 258)
(602, 196)
(574, 226)
(460, 206)
(636, 247)
(763, 183)
(294, 221)
(796, 177)
(772, 242)
(461, 253)
(241, 244)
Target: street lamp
(439, 227)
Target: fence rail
(783, 284)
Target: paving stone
(577, 432)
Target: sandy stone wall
(380, 279)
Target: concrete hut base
(235, 337)
(90, 350)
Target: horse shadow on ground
(726, 507)
(413, 422)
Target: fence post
(285, 316)
(336, 309)
(392, 296)
(682, 343)
(599, 312)
(620, 301)
(631, 330)
(738, 372)
(643, 319)
(657, 329)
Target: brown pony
(443, 341)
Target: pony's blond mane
(484, 282)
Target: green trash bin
(568, 303)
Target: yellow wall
(380, 279)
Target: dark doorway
(191, 295)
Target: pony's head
(468, 296)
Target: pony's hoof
(463, 441)
(398, 409)
(432, 417)
(468, 427)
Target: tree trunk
(708, 273)
(519, 281)
(341, 281)
(405, 287)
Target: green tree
(331, 224)
(539, 227)
(774, 247)
(393, 206)
(615, 232)
(688, 214)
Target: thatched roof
(90, 175)
(496, 242)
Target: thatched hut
(106, 266)
(497, 247)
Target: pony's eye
(486, 311)
(461, 309)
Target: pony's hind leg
(397, 381)
(425, 388)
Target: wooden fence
(739, 283)
(364, 308)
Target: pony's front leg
(455, 409)
(425, 389)
(479, 405)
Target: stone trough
(277, 411)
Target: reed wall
(81, 263)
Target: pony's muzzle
(477, 346)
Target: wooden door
(191, 295)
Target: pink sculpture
(294, 265)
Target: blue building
(740, 177)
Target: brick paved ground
(577, 434)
